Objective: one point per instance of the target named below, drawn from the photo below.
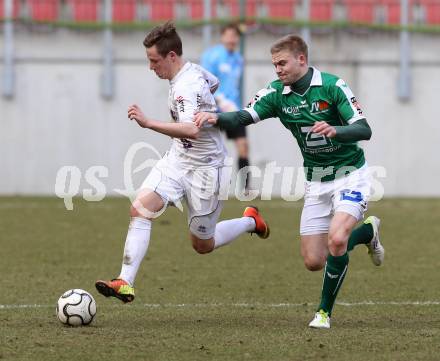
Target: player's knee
(202, 246)
(314, 263)
(337, 242)
(136, 210)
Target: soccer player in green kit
(325, 118)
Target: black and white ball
(76, 308)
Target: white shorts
(199, 189)
(322, 199)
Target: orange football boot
(116, 288)
(261, 227)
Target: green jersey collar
(317, 78)
(316, 81)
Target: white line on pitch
(248, 305)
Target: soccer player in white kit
(191, 170)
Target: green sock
(361, 235)
(334, 274)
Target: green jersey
(328, 99)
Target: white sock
(136, 246)
(227, 231)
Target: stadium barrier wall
(58, 117)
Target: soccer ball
(76, 308)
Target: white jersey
(191, 90)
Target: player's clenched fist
(135, 113)
(201, 118)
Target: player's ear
(302, 59)
(172, 55)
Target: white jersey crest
(192, 90)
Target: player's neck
(302, 84)
(177, 66)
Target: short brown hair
(231, 26)
(165, 38)
(293, 43)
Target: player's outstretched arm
(175, 130)
(226, 121)
(354, 132)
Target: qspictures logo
(268, 181)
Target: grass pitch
(251, 300)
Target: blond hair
(292, 43)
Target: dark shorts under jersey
(236, 133)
